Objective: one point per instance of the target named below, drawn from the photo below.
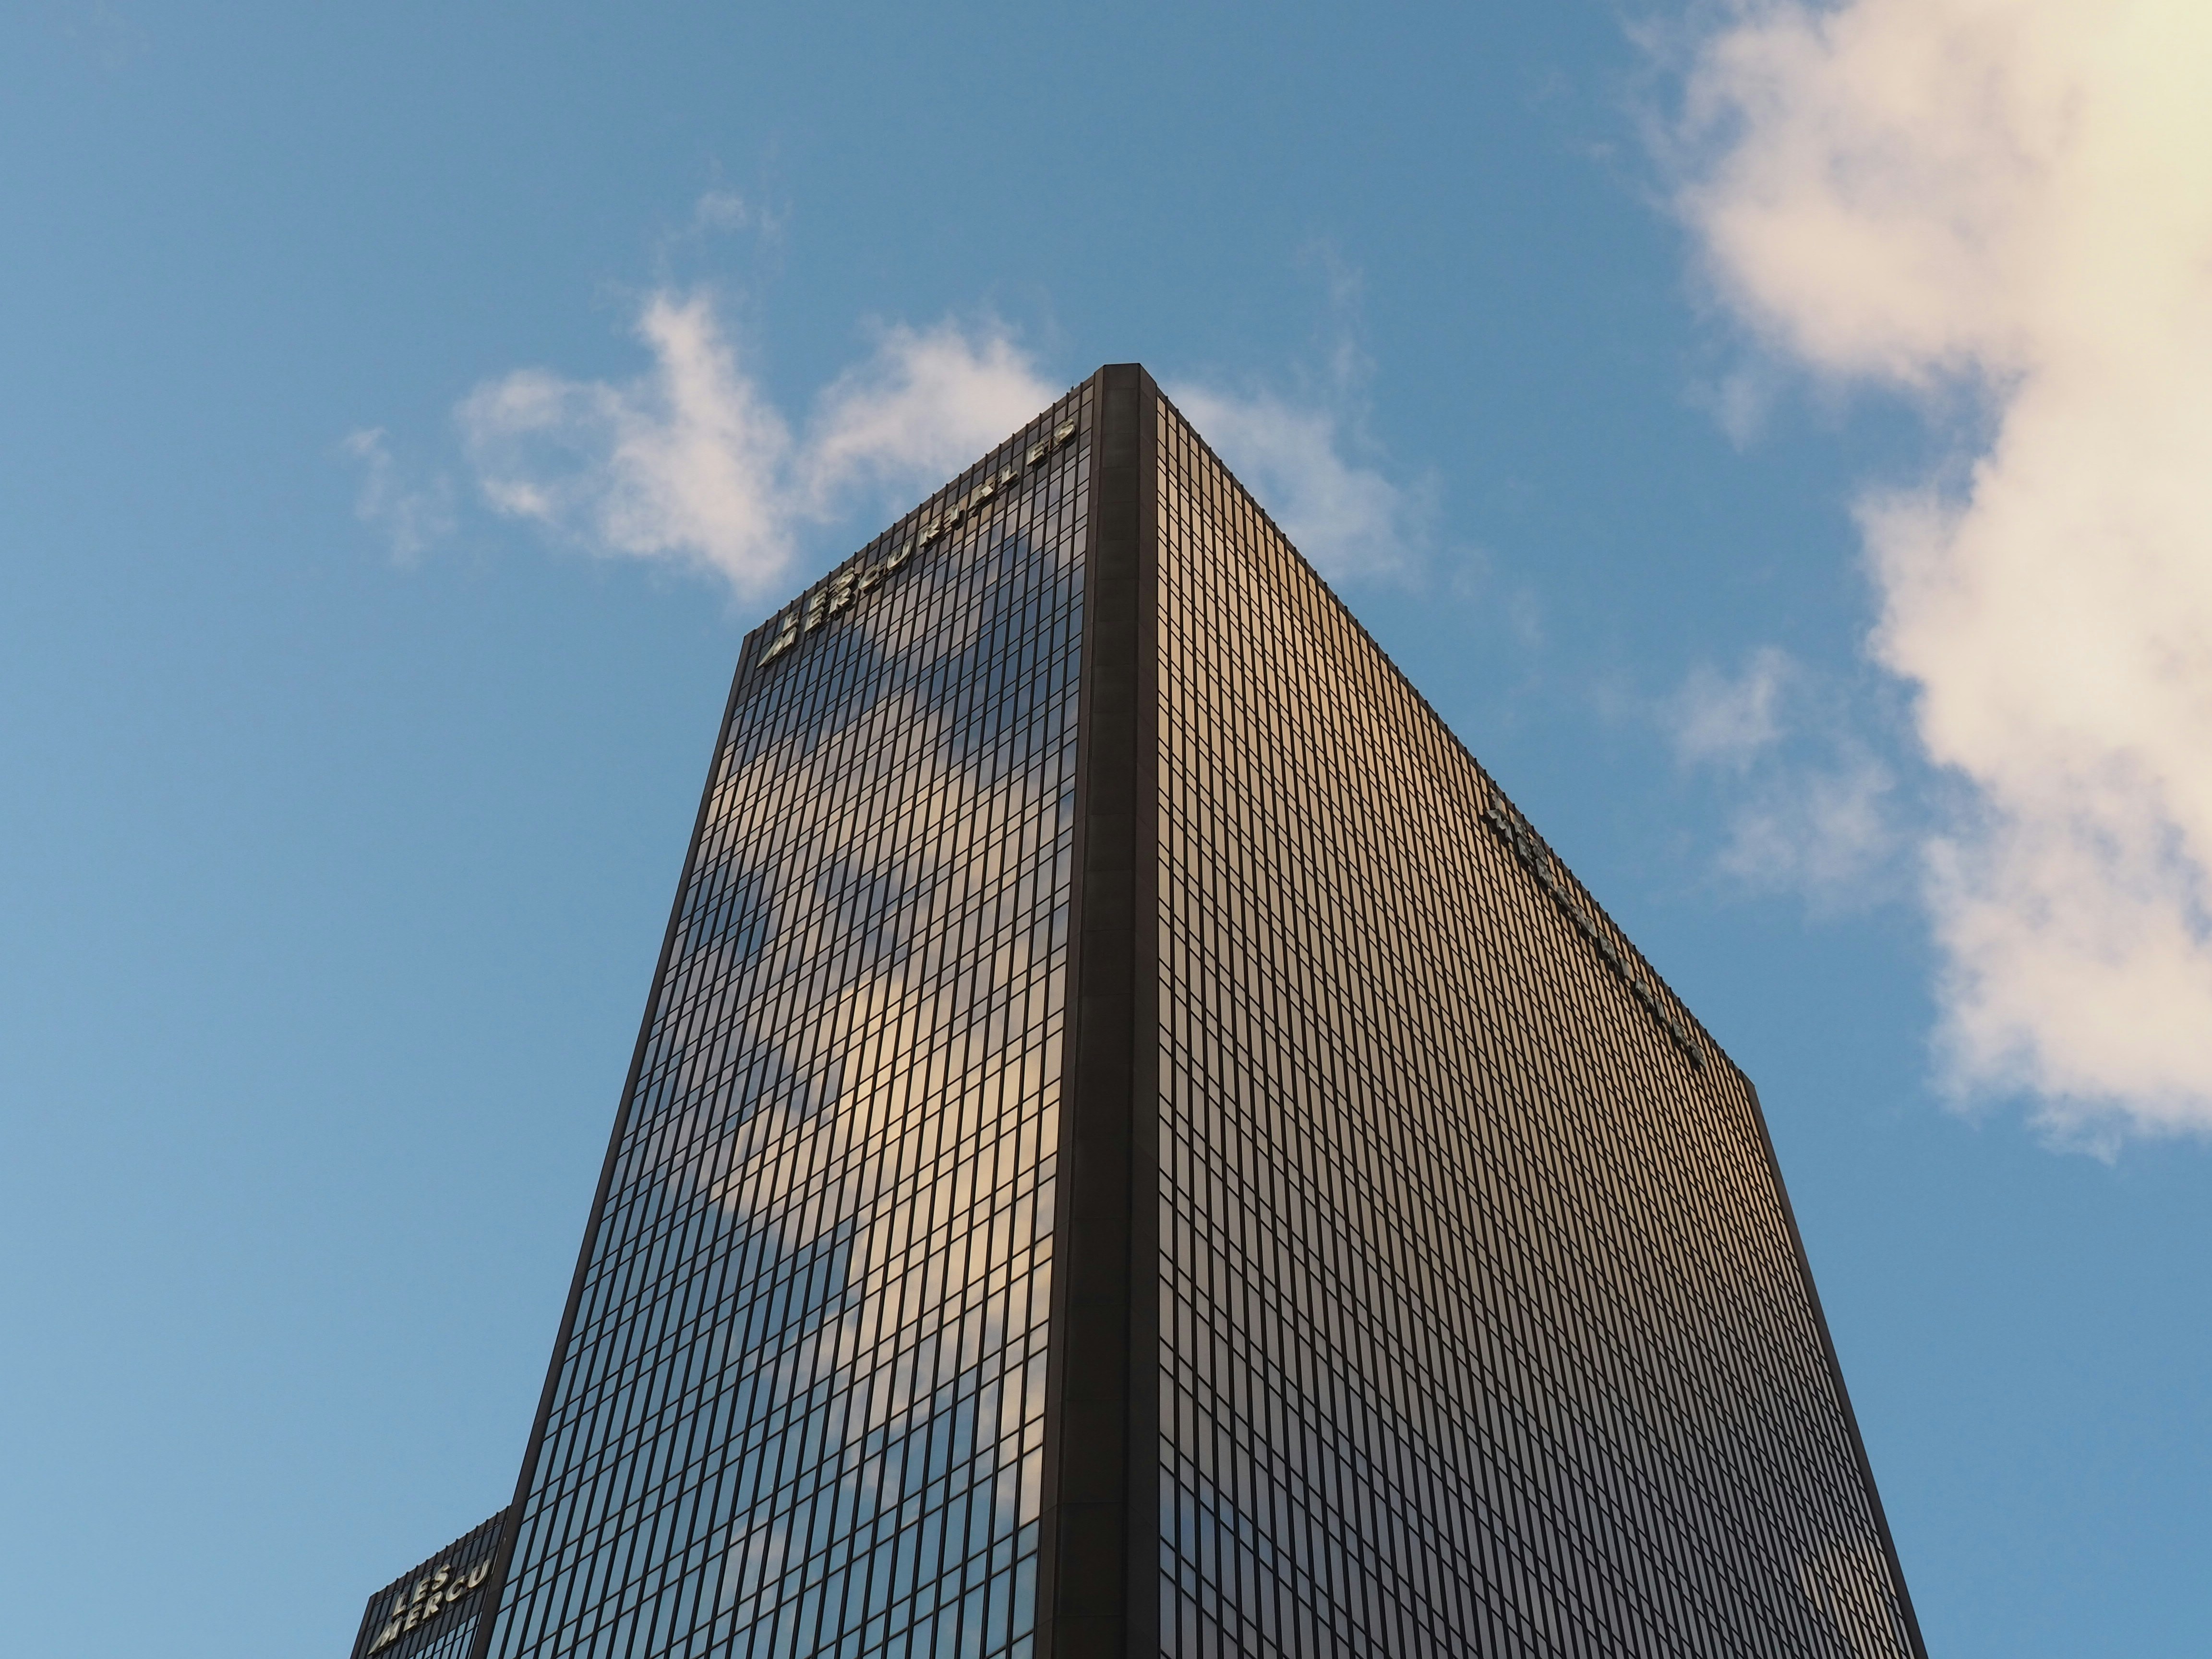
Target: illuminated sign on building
(430, 1595)
(836, 595)
(1503, 816)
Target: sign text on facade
(836, 595)
(1503, 816)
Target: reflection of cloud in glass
(855, 1086)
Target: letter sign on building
(431, 1595)
(836, 595)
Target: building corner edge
(1098, 1578)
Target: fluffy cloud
(2013, 199)
(691, 462)
(924, 406)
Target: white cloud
(410, 518)
(925, 405)
(692, 462)
(720, 210)
(689, 462)
(1739, 402)
(1349, 519)
(2014, 197)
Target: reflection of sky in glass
(453, 1644)
(431, 1612)
(1481, 1321)
(801, 1409)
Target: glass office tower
(1137, 1147)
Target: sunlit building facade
(1137, 1147)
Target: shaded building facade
(1138, 1147)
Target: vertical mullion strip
(1097, 1583)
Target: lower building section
(431, 1612)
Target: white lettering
(1536, 858)
(837, 595)
(428, 1597)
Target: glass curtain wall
(1483, 1328)
(799, 1411)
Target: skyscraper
(1137, 1145)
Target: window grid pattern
(800, 1409)
(1482, 1324)
(454, 1645)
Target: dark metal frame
(1099, 1567)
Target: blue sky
(1768, 439)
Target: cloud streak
(1731, 721)
(1349, 519)
(1295, 454)
(410, 518)
(923, 406)
(1814, 812)
(2012, 200)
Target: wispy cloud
(412, 517)
(1741, 401)
(1349, 519)
(1822, 830)
(689, 462)
(1719, 717)
(720, 209)
(692, 462)
(1812, 808)
(924, 404)
(2013, 199)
